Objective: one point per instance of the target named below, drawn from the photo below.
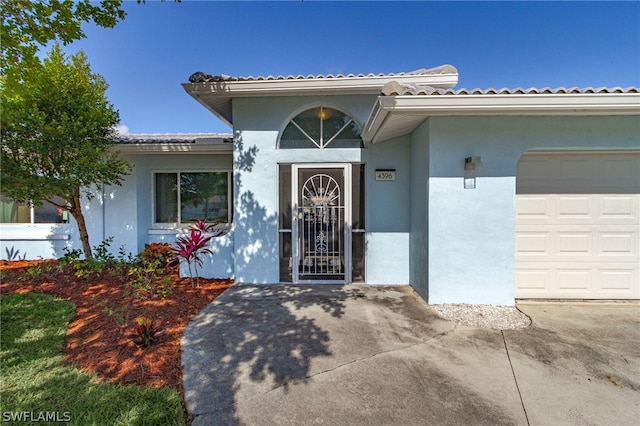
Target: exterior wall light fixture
(323, 113)
(472, 168)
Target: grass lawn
(36, 382)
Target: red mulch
(97, 343)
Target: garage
(578, 226)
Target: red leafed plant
(146, 331)
(190, 247)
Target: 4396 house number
(385, 175)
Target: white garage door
(578, 226)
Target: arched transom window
(321, 127)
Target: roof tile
(183, 138)
(201, 77)
(394, 88)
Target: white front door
(321, 204)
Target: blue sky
(492, 44)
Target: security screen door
(321, 198)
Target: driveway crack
(344, 364)
(504, 340)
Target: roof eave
(579, 103)
(173, 148)
(224, 91)
(347, 85)
(497, 105)
(192, 89)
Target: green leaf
(57, 131)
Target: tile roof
(185, 138)
(201, 77)
(394, 88)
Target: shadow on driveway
(253, 333)
(357, 355)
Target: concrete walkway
(364, 355)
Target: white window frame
(35, 231)
(180, 225)
(320, 144)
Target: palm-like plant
(145, 332)
(192, 246)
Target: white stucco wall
(472, 231)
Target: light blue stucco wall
(471, 235)
(109, 213)
(146, 165)
(220, 265)
(419, 244)
(51, 241)
(40, 241)
(258, 123)
(124, 213)
(119, 219)
(389, 218)
(453, 245)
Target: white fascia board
(497, 105)
(174, 148)
(345, 85)
(374, 122)
(525, 104)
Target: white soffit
(395, 125)
(397, 115)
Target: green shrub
(148, 278)
(160, 252)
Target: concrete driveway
(364, 355)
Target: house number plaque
(385, 174)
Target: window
(185, 197)
(12, 212)
(321, 127)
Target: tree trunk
(76, 212)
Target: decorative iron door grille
(321, 225)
